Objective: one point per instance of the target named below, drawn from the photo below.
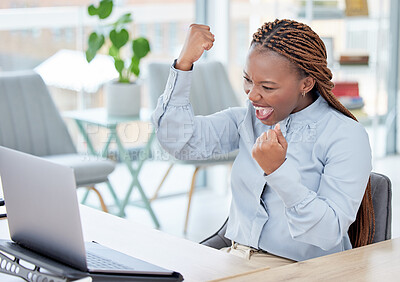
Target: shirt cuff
(177, 89)
(174, 64)
(286, 182)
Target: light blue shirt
(308, 203)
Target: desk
(99, 117)
(376, 262)
(194, 261)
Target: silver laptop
(43, 216)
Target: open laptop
(43, 216)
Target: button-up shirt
(305, 207)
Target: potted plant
(123, 95)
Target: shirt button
(168, 96)
(173, 74)
(170, 86)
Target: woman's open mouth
(263, 113)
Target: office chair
(211, 92)
(381, 189)
(31, 123)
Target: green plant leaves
(140, 47)
(134, 67)
(104, 9)
(113, 52)
(124, 19)
(92, 10)
(94, 44)
(119, 66)
(120, 38)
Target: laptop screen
(42, 207)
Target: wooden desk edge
(359, 264)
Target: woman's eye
(268, 88)
(246, 79)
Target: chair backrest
(218, 239)
(382, 202)
(29, 119)
(211, 89)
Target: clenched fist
(198, 39)
(270, 150)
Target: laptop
(43, 216)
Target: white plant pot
(122, 99)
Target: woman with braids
(300, 183)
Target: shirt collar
(309, 115)
(313, 112)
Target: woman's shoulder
(241, 113)
(341, 137)
(344, 121)
(337, 125)
(237, 114)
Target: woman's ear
(307, 84)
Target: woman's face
(273, 85)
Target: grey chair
(31, 123)
(382, 202)
(211, 92)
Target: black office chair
(382, 202)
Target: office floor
(210, 205)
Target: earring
(303, 94)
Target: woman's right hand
(198, 39)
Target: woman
(301, 177)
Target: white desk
(376, 262)
(194, 261)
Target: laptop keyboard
(96, 262)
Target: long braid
(303, 47)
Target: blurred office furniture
(348, 94)
(382, 201)
(31, 123)
(99, 117)
(211, 92)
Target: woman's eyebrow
(265, 81)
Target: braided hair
(305, 49)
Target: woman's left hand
(270, 150)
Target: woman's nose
(253, 94)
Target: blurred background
(361, 37)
